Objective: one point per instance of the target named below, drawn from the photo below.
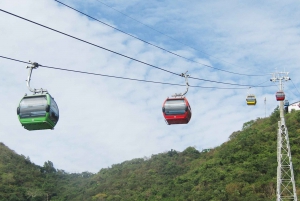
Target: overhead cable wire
(132, 79)
(178, 55)
(206, 80)
(98, 46)
(260, 84)
(295, 86)
(112, 76)
(87, 42)
(180, 42)
(265, 82)
(274, 85)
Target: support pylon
(286, 188)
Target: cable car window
(34, 106)
(54, 112)
(250, 97)
(175, 107)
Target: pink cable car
(177, 111)
(280, 96)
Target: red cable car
(280, 96)
(177, 111)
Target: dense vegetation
(243, 168)
(21, 180)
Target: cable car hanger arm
(187, 85)
(34, 65)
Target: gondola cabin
(280, 96)
(38, 112)
(177, 111)
(251, 100)
(286, 103)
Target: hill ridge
(243, 168)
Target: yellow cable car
(251, 99)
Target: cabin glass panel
(175, 107)
(54, 112)
(251, 98)
(33, 106)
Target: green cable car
(38, 111)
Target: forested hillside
(21, 180)
(243, 168)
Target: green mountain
(21, 180)
(243, 168)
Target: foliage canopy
(243, 168)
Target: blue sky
(104, 121)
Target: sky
(105, 121)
